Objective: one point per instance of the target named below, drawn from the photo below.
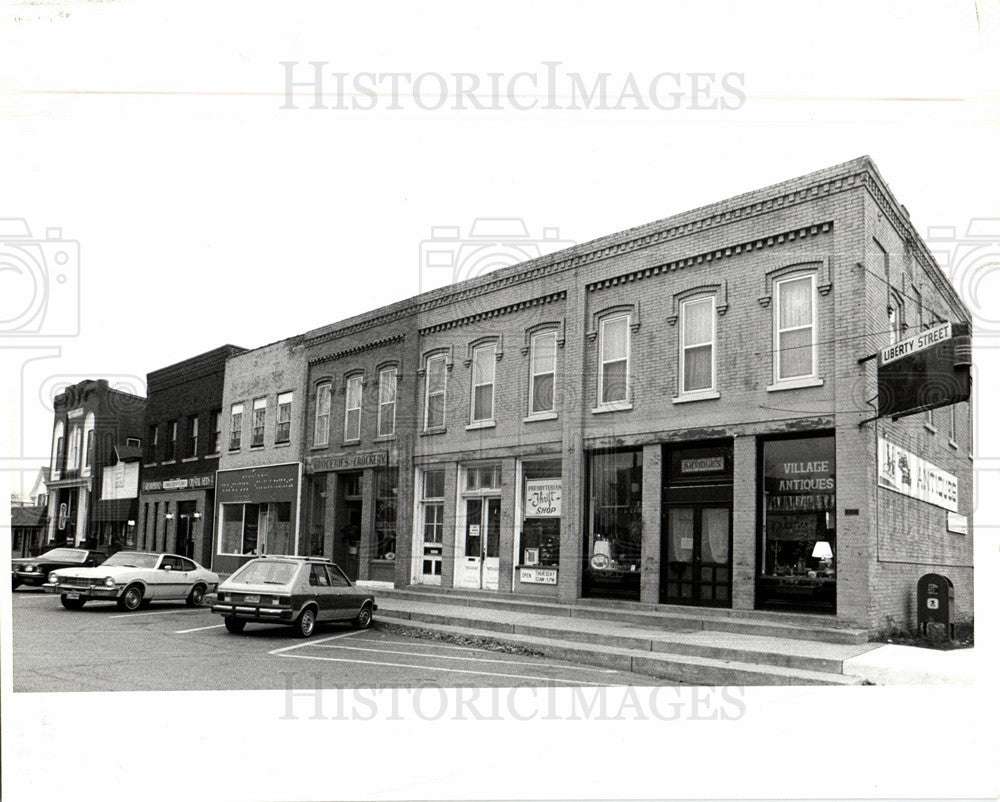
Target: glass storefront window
(386, 493)
(542, 513)
(798, 543)
(614, 544)
(317, 514)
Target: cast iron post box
(935, 602)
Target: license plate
(252, 599)
(72, 595)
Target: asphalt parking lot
(174, 647)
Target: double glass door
(698, 566)
(479, 567)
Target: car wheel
(305, 623)
(235, 624)
(196, 596)
(72, 604)
(364, 617)
(131, 599)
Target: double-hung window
(795, 329)
(235, 427)
(484, 365)
(697, 346)
(387, 402)
(171, 440)
(541, 389)
(216, 431)
(324, 394)
(193, 437)
(283, 429)
(352, 408)
(435, 391)
(897, 322)
(257, 424)
(614, 354)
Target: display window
(537, 551)
(614, 541)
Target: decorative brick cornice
(358, 349)
(714, 255)
(498, 312)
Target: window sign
(543, 498)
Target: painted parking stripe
(161, 612)
(197, 629)
(472, 659)
(560, 681)
(284, 649)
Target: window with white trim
(283, 429)
(257, 423)
(435, 391)
(387, 402)
(193, 437)
(541, 389)
(795, 328)
(324, 397)
(614, 357)
(73, 458)
(235, 427)
(897, 321)
(352, 408)
(216, 431)
(484, 365)
(697, 345)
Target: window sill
(257, 448)
(700, 395)
(352, 442)
(537, 416)
(283, 444)
(953, 444)
(234, 450)
(319, 446)
(794, 384)
(169, 462)
(189, 459)
(384, 438)
(481, 424)
(929, 427)
(435, 430)
(614, 406)
(147, 464)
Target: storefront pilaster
(367, 523)
(448, 535)
(652, 494)
(508, 493)
(744, 521)
(330, 515)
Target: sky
(153, 134)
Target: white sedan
(134, 578)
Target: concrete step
(764, 623)
(691, 669)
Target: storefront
(696, 552)
(477, 527)
(257, 514)
(176, 515)
(797, 541)
(536, 537)
(613, 554)
(353, 511)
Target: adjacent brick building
(183, 427)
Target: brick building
(93, 485)
(258, 484)
(183, 427)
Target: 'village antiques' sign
(543, 498)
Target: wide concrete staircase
(682, 644)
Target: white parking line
(437, 668)
(197, 629)
(313, 642)
(162, 612)
(473, 659)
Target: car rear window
(265, 573)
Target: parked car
(34, 570)
(296, 591)
(134, 578)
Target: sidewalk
(910, 665)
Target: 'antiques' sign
(543, 498)
(906, 473)
(178, 484)
(703, 464)
(342, 462)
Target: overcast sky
(151, 133)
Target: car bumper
(28, 578)
(246, 612)
(83, 593)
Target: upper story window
(795, 328)
(283, 429)
(152, 443)
(541, 388)
(236, 427)
(73, 458)
(58, 449)
(614, 356)
(352, 408)
(324, 394)
(436, 388)
(697, 345)
(193, 437)
(484, 364)
(216, 430)
(897, 321)
(60, 460)
(171, 441)
(952, 428)
(88, 451)
(387, 402)
(257, 423)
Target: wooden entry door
(697, 555)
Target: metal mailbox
(935, 602)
